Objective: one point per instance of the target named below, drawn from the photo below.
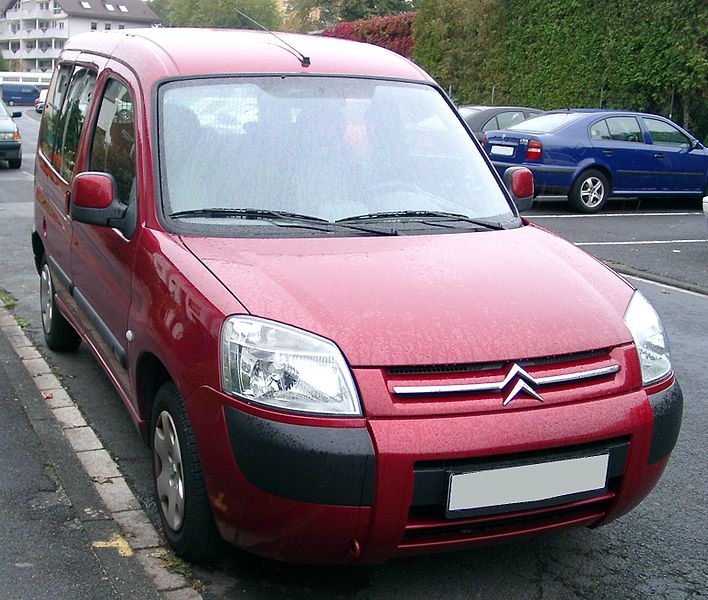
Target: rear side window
(113, 143)
(71, 120)
(624, 129)
(665, 134)
(599, 131)
(55, 97)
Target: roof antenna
(304, 60)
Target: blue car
(591, 155)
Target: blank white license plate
(527, 483)
(502, 150)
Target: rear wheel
(59, 335)
(589, 192)
(15, 163)
(182, 499)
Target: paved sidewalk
(57, 539)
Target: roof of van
(164, 52)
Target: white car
(705, 208)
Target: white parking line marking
(627, 214)
(665, 286)
(641, 242)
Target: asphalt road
(657, 551)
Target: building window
(94, 26)
(122, 8)
(44, 6)
(107, 26)
(109, 7)
(61, 24)
(86, 4)
(121, 26)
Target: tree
(222, 13)
(162, 9)
(316, 14)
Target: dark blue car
(590, 155)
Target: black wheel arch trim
(322, 465)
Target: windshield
(547, 123)
(326, 148)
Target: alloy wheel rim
(45, 298)
(592, 192)
(169, 475)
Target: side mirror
(93, 201)
(16, 114)
(519, 182)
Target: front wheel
(59, 335)
(14, 163)
(589, 192)
(182, 499)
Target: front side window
(665, 134)
(113, 143)
(329, 148)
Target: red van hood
(423, 300)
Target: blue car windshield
(547, 123)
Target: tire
(59, 335)
(589, 192)
(14, 163)
(182, 499)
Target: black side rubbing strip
(63, 278)
(323, 465)
(100, 326)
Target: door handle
(607, 152)
(658, 155)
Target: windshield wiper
(293, 219)
(421, 215)
(246, 213)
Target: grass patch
(177, 564)
(21, 322)
(8, 301)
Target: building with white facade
(33, 32)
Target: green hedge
(648, 56)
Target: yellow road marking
(117, 542)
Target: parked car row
(591, 155)
(10, 140)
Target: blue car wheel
(589, 192)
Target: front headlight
(285, 367)
(649, 338)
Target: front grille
(474, 367)
(521, 384)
